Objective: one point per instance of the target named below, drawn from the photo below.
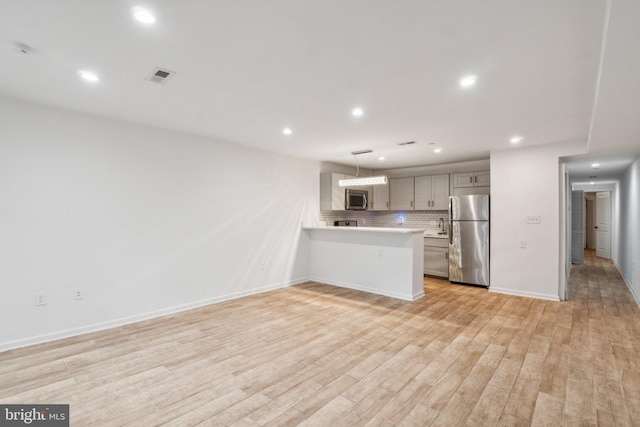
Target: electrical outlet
(523, 243)
(41, 298)
(78, 294)
(262, 266)
(533, 219)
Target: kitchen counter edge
(370, 229)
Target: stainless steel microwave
(355, 200)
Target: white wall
(144, 221)
(628, 246)
(526, 182)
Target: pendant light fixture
(359, 181)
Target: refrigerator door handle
(450, 221)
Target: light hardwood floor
(319, 355)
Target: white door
(603, 224)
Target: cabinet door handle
(470, 180)
(446, 255)
(387, 203)
(476, 179)
(412, 203)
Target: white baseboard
(628, 283)
(524, 294)
(405, 297)
(95, 327)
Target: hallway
(603, 363)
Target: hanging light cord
(357, 167)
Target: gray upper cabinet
(380, 201)
(331, 194)
(483, 179)
(471, 179)
(401, 194)
(432, 192)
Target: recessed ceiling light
(357, 112)
(381, 158)
(287, 131)
(89, 76)
(516, 140)
(437, 150)
(595, 165)
(592, 183)
(468, 81)
(143, 15)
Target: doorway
(589, 220)
(597, 223)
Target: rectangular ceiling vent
(160, 76)
(406, 143)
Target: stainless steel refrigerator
(469, 239)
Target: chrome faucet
(441, 225)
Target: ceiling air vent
(406, 143)
(22, 49)
(160, 76)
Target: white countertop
(371, 229)
(435, 236)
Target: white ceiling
(614, 139)
(245, 69)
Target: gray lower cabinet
(436, 257)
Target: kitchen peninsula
(384, 261)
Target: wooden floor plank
(319, 355)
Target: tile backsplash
(423, 220)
